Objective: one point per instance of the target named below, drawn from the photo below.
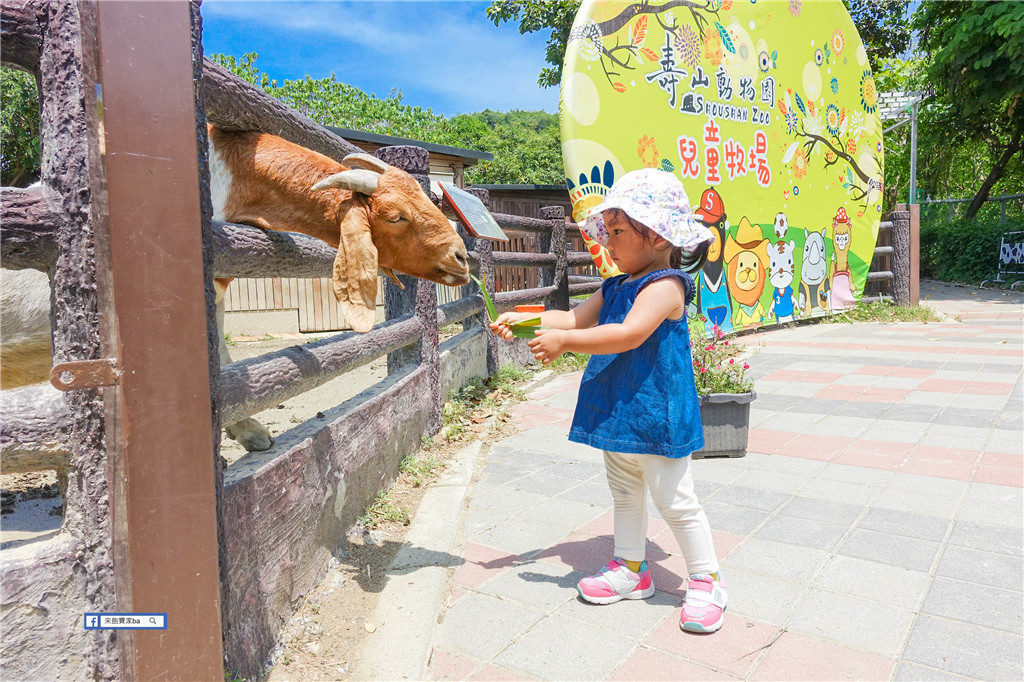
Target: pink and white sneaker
(616, 582)
(704, 604)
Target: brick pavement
(873, 531)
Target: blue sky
(441, 54)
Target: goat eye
(393, 219)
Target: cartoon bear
(813, 271)
(712, 292)
(747, 259)
(843, 293)
(781, 270)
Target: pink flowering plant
(718, 365)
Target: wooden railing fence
(153, 520)
(281, 515)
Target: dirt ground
(302, 407)
(30, 505)
(321, 641)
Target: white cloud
(445, 52)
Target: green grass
(422, 467)
(482, 398)
(383, 510)
(883, 312)
(569, 362)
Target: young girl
(637, 399)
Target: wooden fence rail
(281, 515)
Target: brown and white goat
(376, 216)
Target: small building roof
(471, 156)
(524, 188)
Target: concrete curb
(406, 614)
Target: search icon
(153, 620)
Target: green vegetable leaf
(492, 313)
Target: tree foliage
(19, 128)
(883, 26)
(330, 102)
(974, 54)
(525, 144)
(537, 15)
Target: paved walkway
(873, 531)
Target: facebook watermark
(125, 621)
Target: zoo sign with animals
(767, 112)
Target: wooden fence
(153, 521)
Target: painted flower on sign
(838, 42)
(868, 92)
(800, 163)
(589, 40)
(647, 150)
(713, 48)
(687, 44)
(832, 119)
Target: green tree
(19, 128)
(330, 102)
(883, 26)
(537, 15)
(975, 52)
(525, 144)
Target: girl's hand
(500, 325)
(548, 345)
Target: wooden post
(915, 254)
(399, 301)
(906, 258)
(484, 251)
(164, 499)
(901, 257)
(560, 299)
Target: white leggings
(671, 484)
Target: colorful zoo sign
(767, 112)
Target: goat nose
(460, 258)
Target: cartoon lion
(747, 258)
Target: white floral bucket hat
(656, 199)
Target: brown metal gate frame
(163, 478)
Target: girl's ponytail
(689, 261)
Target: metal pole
(164, 501)
(913, 155)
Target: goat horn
(357, 180)
(370, 163)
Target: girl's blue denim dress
(641, 401)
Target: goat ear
(355, 271)
(357, 180)
(370, 163)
